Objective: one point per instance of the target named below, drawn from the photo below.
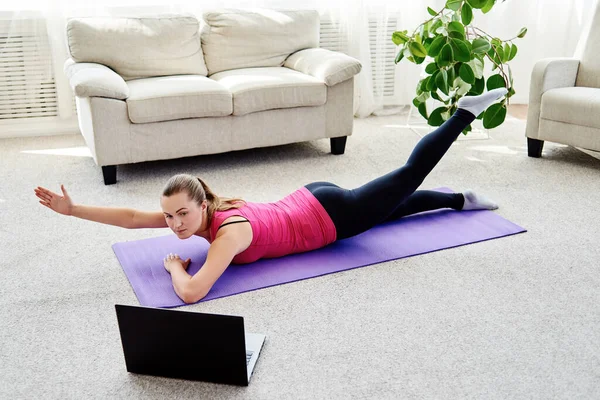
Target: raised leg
(357, 210)
(534, 147)
(338, 145)
(110, 174)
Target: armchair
(564, 97)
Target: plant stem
(429, 20)
(496, 64)
(493, 37)
(507, 40)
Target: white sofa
(164, 87)
(564, 97)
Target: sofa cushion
(573, 105)
(259, 89)
(138, 47)
(176, 97)
(234, 39)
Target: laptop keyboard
(248, 356)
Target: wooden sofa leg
(338, 145)
(110, 174)
(534, 147)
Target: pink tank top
(294, 224)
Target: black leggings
(395, 194)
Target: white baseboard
(38, 127)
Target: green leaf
(431, 84)
(423, 97)
(467, 129)
(437, 23)
(522, 33)
(500, 52)
(454, 5)
(417, 49)
(495, 55)
(477, 3)
(416, 102)
(456, 35)
(438, 98)
(466, 14)
(419, 60)
(477, 66)
(441, 81)
(481, 46)
(445, 115)
(494, 116)
(495, 82)
(470, 48)
(399, 56)
(451, 78)
(457, 68)
(446, 56)
(399, 38)
(513, 52)
(478, 87)
(431, 11)
(463, 87)
(466, 74)
(505, 53)
(436, 46)
(431, 68)
(423, 110)
(423, 84)
(456, 30)
(456, 27)
(461, 51)
(427, 43)
(488, 6)
(435, 119)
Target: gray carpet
(516, 317)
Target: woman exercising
(310, 218)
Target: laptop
(187, 345)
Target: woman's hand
(55, 202)
(174, 259)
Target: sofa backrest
(237, 38)
(139, 47)
(589, 53)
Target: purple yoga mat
(417, 234)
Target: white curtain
(554, 30)
(554, 27)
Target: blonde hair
(199, 191)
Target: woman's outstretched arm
(117, 216)
(231, 240)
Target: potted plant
(456, 52)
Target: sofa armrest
(95, 80)
(330, 66)
(548, 73)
